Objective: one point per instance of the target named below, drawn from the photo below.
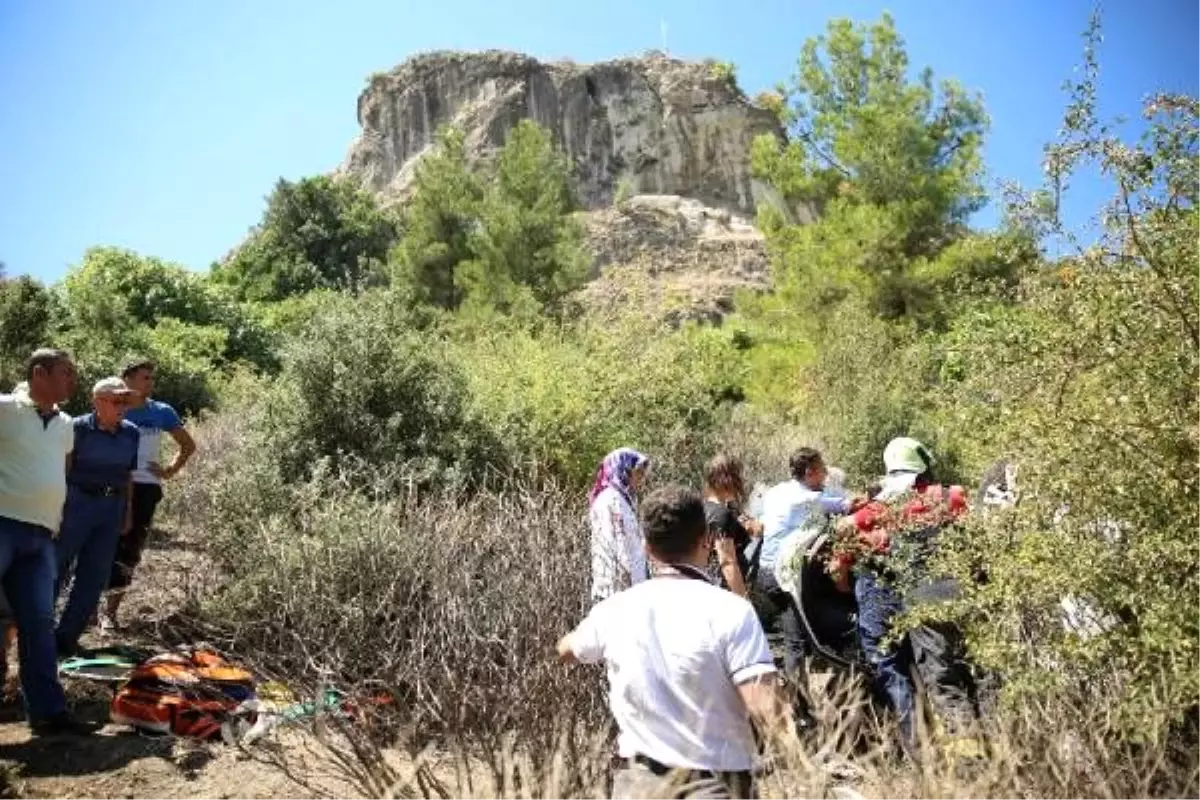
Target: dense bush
(870, 381)
(364, 383)
(451, 602)
(1090, 385)
(561, 398)
(116, 305)
(453, 400)
(26, 313)
(114, 293)
(316, 233)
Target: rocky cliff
(650, 125)
(671, 257)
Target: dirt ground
(119, 763)
(116, 763)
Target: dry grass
(449, 605)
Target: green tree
(318, 232)
(438, 223)
(112, 291)
(117, 304)
(861, 129)
(892, 163)
(502, 238)
(26, 316)
(526, 240)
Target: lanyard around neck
(682, 571)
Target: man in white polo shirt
(688, 665)
(35, 442)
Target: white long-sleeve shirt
(618, 546)
(789, 506)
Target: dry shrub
(1060, 748)
(437, 597)
(450, 604)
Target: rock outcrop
(672, 258)
(650, 125)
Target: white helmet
(903, 454)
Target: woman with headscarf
(618, 547)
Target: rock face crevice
(651, 125)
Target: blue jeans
(27, 573)
(90, 530)
(878, 604)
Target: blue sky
(162, 126)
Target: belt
(660, 769)
(100, 491)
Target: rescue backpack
(185, 693)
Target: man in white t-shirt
(688, 665)
(153, 418)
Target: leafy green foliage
(844, 343)
(774, 102)
(116, 305)
(316, 233)
(724, 72)
(504, 239)
(1090, 385)
(361, 386)
(26, 314)
(526, 242)
(563, 398)
(869, 381)
(893, 166)
(113, 291)
(623, 192)
(868, 133)
(438, 222)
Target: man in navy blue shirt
(97, 511)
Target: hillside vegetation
(399, 411)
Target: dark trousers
(27, 573)
(939, 655)
(87, 540)
(796, 647)
(795, 639)
(644, 778)
(935, 652)
(146, 497)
